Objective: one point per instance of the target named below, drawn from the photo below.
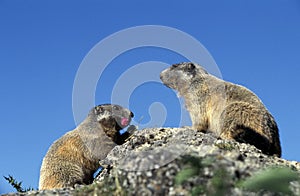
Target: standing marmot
(75, 157)
(229, 110)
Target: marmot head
(181, 76)
(113, 117)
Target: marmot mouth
(124, 122)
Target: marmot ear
(191, 66)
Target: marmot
(229, 110)
(74, 157)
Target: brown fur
(74, 157)
(229, 110)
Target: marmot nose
(160, 76)
(131, 115)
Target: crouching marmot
(229, 110)
(74, 157)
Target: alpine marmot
(73, 158)
(229, 110)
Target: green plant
(220, 182)
(17, 185)
(185, 174)
(192, 167)
(274, 179)
(198, 190)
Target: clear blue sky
(42, 44)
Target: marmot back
(229, 110)
(74, 157)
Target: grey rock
(152, 160)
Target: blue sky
(42, 44)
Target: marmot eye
(98, 110)
(175, 65)
(115, 107)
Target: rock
(182, 161)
